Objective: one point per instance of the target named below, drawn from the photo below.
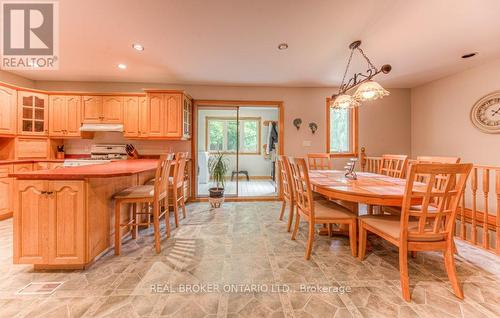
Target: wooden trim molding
(354, 133)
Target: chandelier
(367, 88)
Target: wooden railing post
(486, 190)
(473, 181)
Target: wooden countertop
(106, 170)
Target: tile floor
(245, 248)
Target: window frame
(239, 121)
(353, 144)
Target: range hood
(102, 127)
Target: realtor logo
(30, 35)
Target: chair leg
(290, 217)
(353, 240)
(282, 212)
(118, 238)
(296, 225)
(449, 263)
(403, 272)
(135, 227)
(167, 217)
(362, 242)
(148, 207)
(183, 205)
(176, 209)
(156, 225)
(310, 240)
(413, 254)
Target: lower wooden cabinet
(49, 222)
(6, 206)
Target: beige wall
(440, 116)
(16, 80)
(384, 124)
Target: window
(342, 132)
(222, 135)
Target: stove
(99, 154)
(108, 152)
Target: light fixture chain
(367, 59)
(346, 69)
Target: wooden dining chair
(319, 161)
(316, 212)
(439, 181)
(394, 165)
(420, 228)
(286, 185)
(177, 186)
(156, 194)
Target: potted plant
(217, 166)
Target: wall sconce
(297, 122)
(313, 127)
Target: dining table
(368, 188)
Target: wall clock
(485, 114)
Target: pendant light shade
(370, 90)
(344, 101)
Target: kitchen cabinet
(64, 116)
(33, 113)
(6, 188)
(8, 111)
(135, 117)
(92, 109)
(32, 148)
(112, 109)
(169, 116)
(49, 222)
(187, 117)
(102, 109)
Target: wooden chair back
(285, 177)
(437, 223)
(440, 180)
(301, 186)
(161, 177)
(394, 165)
(179, 169)
(319, 161)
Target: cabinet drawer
(5, 170)
(23, 167)
(32, 148)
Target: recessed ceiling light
(282, 46)
(122, 66)
(469, 55)
(138, 47)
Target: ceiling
(234, 42)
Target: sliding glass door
(246, 137)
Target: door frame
(233, 103)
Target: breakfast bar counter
(118, 168)
(63, 217)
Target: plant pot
(216, 197)
(216, 192)
(60, 155)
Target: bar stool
(155, 194)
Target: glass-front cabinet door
(33, 113)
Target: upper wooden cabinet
(102, 109)
(112, 109)
(8, 111)
(33, 113)
(162, 115)
(64, 116)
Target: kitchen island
(63, 217)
